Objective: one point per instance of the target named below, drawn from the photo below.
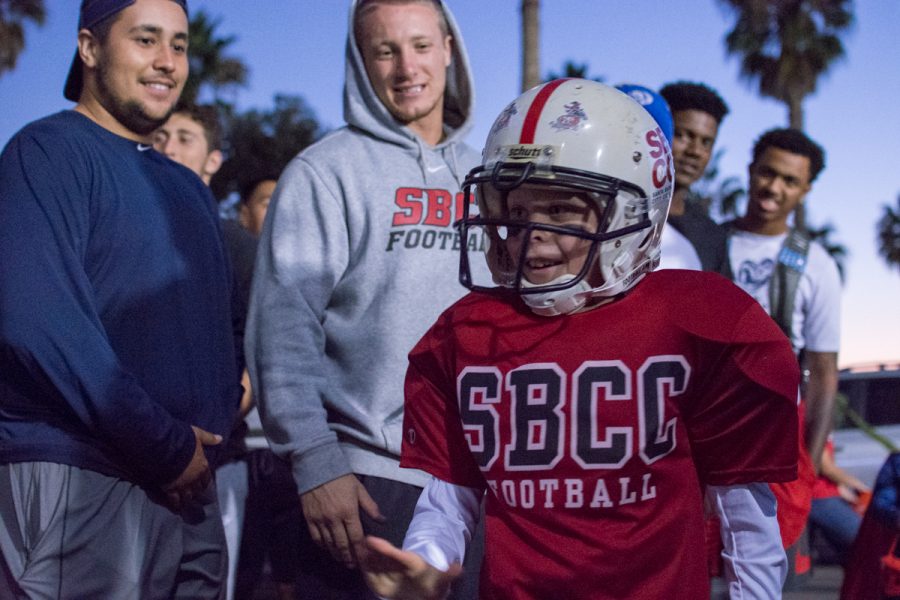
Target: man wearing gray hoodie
(357, 258)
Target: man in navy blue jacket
(118, 374)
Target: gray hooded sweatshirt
(357, 259)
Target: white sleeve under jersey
(755, 562)
(443, 523)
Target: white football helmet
(579, 136)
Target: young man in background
(697, 113)
(357, 222)
(798, 284)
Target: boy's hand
(400, 575)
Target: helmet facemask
(577, 139)
(542, 230)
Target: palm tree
(531, 57)
(13, 14)
(889, 235)
(263, 142)
(787, 45)
(573, 69)
(210, 66)
(836, 250)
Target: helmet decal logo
(663, 169)
(573, 118)
(502, 121)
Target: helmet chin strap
(560, 302)
(569, 300)
(625, 282)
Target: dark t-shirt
(706, 236)
(241, 246)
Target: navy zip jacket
(115, 319)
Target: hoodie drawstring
(453, 164)
(421, 159)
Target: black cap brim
(74, 82)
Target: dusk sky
(297, 47)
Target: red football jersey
(594, 433)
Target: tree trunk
(795, 121)
(531, 60)
(795, 113)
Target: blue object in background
(654, 104)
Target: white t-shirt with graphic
(816, 322)
(676, 251)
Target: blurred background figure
(255, 202)
(873, 572)
(697, 112)
(838, 502)
(192, 136)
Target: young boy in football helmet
(590, 401)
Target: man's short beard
(130, 113)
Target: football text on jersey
(543, 430)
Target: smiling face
(133, 79)
(550, 255)
(779, 180)
(406, 56)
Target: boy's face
(779, 180)
(253, 210)
(692, 144)
(184, 140)
(550, 255)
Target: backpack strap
(789, 267)
(785, 279)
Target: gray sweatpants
(68, 533)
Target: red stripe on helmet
(535, 110)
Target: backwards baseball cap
(92, 13)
